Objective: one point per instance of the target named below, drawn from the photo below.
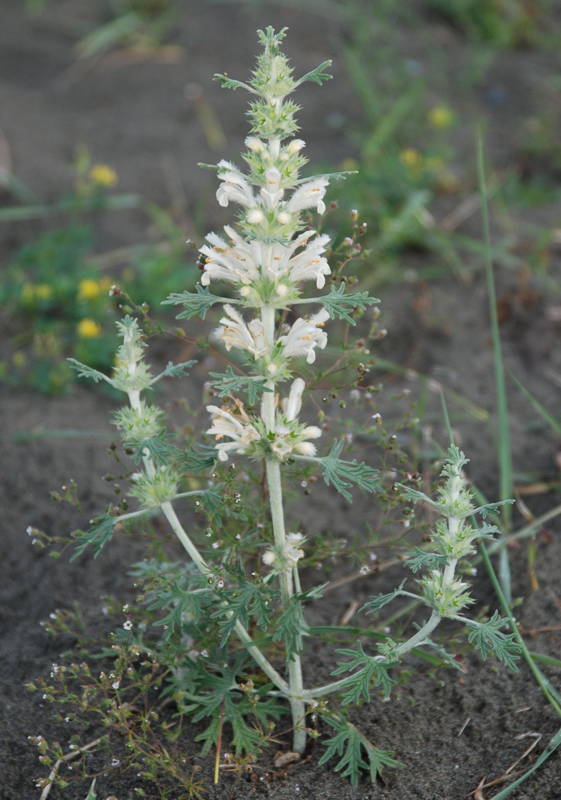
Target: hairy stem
(274, 483)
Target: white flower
(255, 144)
(292, 404)
(289, 435)
(238, 429)
(242, 263)
(272, 192)
(308, 195)
(234, 187)
(304, 336)
(295, 146)
(235, 333)
(236, 263)
(307, 264)
(291, 551)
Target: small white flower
(304, 336)
(127, 625)
(235, 263)
(236, 428)
(302, 260)
(269, 557)
(295, 146)
(235, 333)
(292, 404)
(289, 435)
(272, 192)
(292, 552)
(116, 684)
(234, 187)
(308, 195)
(254, 144)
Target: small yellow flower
(30, 292)
(88, 289)
(88, 329)
(440, 117)
(103, 175)
(411, 157)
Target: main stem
(274, 483)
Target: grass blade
(505, 461)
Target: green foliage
(98, 535)
(350, 744)
(241, 604)
(372, 671)
(488, 638)
(196, 303)
(231, 384)
(197, 459)
(226, 699)
(422, 560)
(341, 305)
(344, 474)
(375, 603)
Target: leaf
(91, 793)
(415, 495)
(349, 743)
(196, 459)
(341, 305)
(230, 83)
(186, 605)
(371, 672)
(381, 600)
(245, 738)
(291, 627)
(156, 447)
(230, 383)
(423, 560)
(488, 638)
(210, 735)
(176, 370)
(196, 303)
(87, 372)
(491, 508)
(241, 605)
(343, 474)
(448, 658)
(100, 533)
(316, 75)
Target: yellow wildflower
(411, 157)
(440, 117)
(88, 289)
(103, 175)
(32, 292)
(88, 329)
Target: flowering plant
(222, 615)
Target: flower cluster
(267, 261)
(249, 435)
